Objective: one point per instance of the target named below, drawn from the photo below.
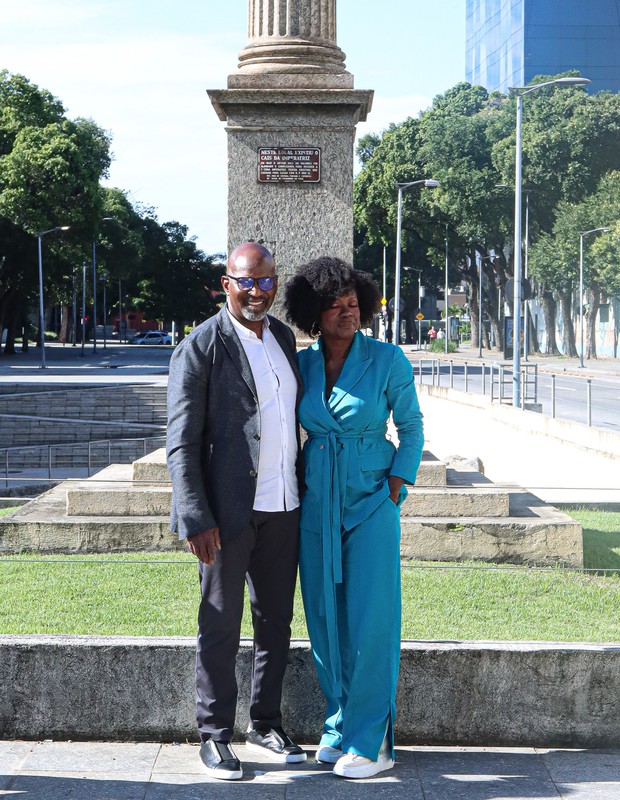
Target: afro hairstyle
(318, 283)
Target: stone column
(292, 38)
(290, 111)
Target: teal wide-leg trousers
(360, 684)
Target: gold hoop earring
(315, 330)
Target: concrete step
(534, 533)
(153, 468)
(450, 501)
(43, 526)
(111, 492)
(126, 499)
(120, 500)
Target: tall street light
(104, 219)
(520, 92)
(41, 309)
(581, 235)
(104, 281)
(526, 326)
(421, 294)
(446, 313)
(428, 183)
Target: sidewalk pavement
(151, 771)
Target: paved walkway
(150, 771)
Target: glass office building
(509, 42)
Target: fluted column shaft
(292, 37)
(305, 19)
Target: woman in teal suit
(350, 519)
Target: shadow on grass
(601, 550)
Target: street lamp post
(74, 333)
(581, 236)
(104, 219)
(104, 281)
(520, 92)
(83, 308)
(429, 183)
(41, 308)
(445, 294)
(526, 321)
(120, 311)
(480, 260)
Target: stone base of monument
(450, 515)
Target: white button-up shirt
(276, 387)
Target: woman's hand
(395, 483)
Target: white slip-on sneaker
(326, 754)
(353, 766)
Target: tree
(555, 257)
(178, 280)
(50, 169)
(466, 140)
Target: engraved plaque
(289, 164)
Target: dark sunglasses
(247, 284)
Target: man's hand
(204, 545)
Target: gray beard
(253, 316)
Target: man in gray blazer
(233, 454)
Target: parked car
(152, 337)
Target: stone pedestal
(291, 100)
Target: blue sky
(141, 68)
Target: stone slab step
(533, 534)
(123, 500)
(43, 526)
(451, 501)
(128, 500)
(152, 468)
(112, 493)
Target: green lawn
(157, 595)
(5, 511)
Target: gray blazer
(214, 428)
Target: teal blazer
(347, 456)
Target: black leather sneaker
(274, 744)
(220, 760)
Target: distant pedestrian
(441, 334)
(432, 334)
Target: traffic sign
(383, 301)
(419, 315)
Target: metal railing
(567, 397)
(47, 459)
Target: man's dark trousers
(265, 555)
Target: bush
(50, 336)
(439, 346)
